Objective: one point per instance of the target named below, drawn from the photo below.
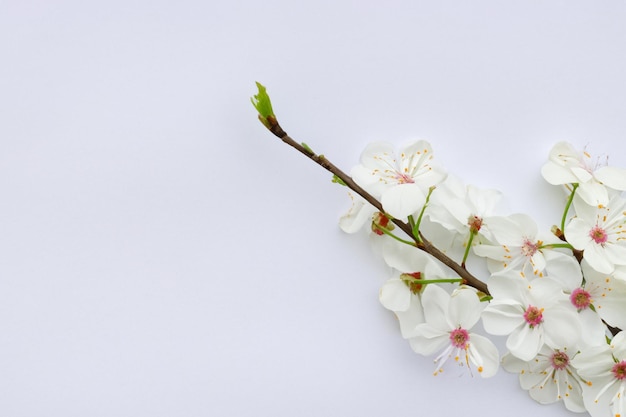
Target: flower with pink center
(598, 235)
(559, 360)
(531, 314)
(600, 232)
(459, 338)
(603, 367)
(549, 377)
(529, 248)
(518, 246)
(596, 300)
(400, 183)
(580, 299)
(448, 322)
(619, 370)
(606, 294)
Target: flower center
(529, 248)
(412, 281)
(475, 223)
(459, 338)
(598, 235)
(559, 360)
(404, 178)
(619, 370)
(580, 298)
(533, 316)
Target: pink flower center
(533, 316)
(475, 223)
(619, 370)
(529, 248)
(598, 235)
(404, 178)
(559, 360)
(459, 338)
(580, 298)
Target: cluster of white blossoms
(557, 296)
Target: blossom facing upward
(401, 184)
(518, 246)
(449, 320)
(604, 370)
(549, 377)
(600, 232)
(531, 314)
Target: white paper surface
(161, 254)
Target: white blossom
(604, 370)
(531, 314)
(566, 165)
(449, 320)
(401, 184)
(549, 377)
(599, 232)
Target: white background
(161, 254)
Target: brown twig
(421, 242)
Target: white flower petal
(612, 177)
(502, 319)
(395, 295)
(428, 340)
(409, 259)
(379, 156)
(597, 258)
(557, 174)
(505, 231)
(359, 214)
(561, 327)
(525, 342)
(403, 200)
(593, 193)
(410, 318)
(563, 268)
(415, 158)
(592, 328)
(465, 308)
(577, 233)
(435, 301)
(484, 355)
(615, 253)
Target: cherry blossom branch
(267, 117)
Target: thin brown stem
(420, 241)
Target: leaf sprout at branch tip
(263, 105)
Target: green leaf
(338, 180)
(263, 104)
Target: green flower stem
(436, 281)
(467, 248)
(416, 226)
(567, 206)
(271, 123)
(556, 245)
(388, 233)
(411, 221)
